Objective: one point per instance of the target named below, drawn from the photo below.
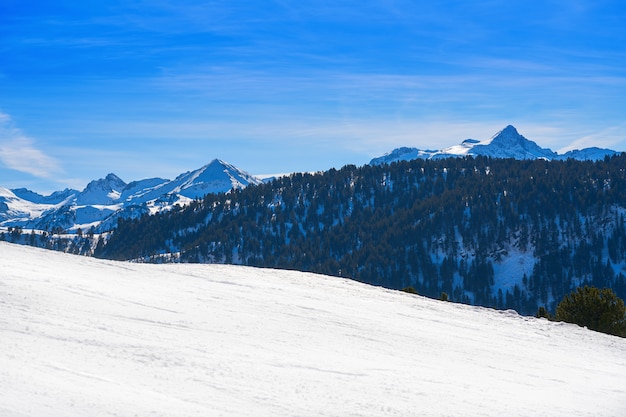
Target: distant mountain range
(507, 143)
(105, 200)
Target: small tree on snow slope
(599, 310)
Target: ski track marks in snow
(81, 336)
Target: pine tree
(599, 310)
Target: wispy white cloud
(612, 137)
(19, 152)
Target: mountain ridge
(104, 200)
(507, 143)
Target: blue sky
(156, 88)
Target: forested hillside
(494, 232)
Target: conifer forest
(503, 233)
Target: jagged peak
(219, 161)
(110, 179)
(510, 129)
(507, 134)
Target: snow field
(80, 336)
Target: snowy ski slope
(86, 337)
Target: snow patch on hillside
(510, 269)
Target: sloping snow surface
(85, 337)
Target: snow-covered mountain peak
(507, 143)
(509, 133)
(104, 191)
(215, 177)
(111, 181)
(215, 168)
